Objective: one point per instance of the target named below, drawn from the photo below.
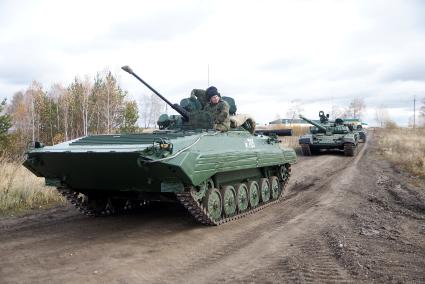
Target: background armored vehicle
(217, 176)
(356, 125)
(361, 131)
(328, 135)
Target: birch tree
(151, 109)
(295, 109)
(5, 124)
(82, 108)
(337, 112)
(356, 108)
(381, 115)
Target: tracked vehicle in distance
(216, 176)
(328, 135)
(362, 133)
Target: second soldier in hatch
(218, 109)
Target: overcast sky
(265, 54)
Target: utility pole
(414, 112)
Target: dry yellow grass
(297, 130)
(20, 190)
(291, 141)
(300, 130)
(405, 148)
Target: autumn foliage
(84, 107)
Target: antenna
(208, 75)
(414, 112)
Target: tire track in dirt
(287, 222)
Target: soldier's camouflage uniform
(220, 113)
(200, 95)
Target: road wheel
(264, 190)
(283, 173)
(275, 189)
(350, 149)
(199, 192)
(97, 206)
(212, 203)
(253, 194)
(242, 197)
(229, 200)
(314, 151)
(306, 150)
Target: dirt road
(342, 220)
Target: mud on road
(342, 220)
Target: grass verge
(405, 148)
(21, 191)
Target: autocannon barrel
(176, 107)
(279, 132)
(318, 125)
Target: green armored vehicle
(216, 176)
(360, 130)
(356, 125)
(328, 136)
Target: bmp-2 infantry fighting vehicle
(328, 135)
(217, 176)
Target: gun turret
(318, 125)
(176, 107)
(323, 118)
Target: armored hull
(314, 143)
(362, 134)
(218, 176)
(328, 136)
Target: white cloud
(265, 54)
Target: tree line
(98, 106)
(354, 110)
(101, 106)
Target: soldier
(200, 95)
(218, 108)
